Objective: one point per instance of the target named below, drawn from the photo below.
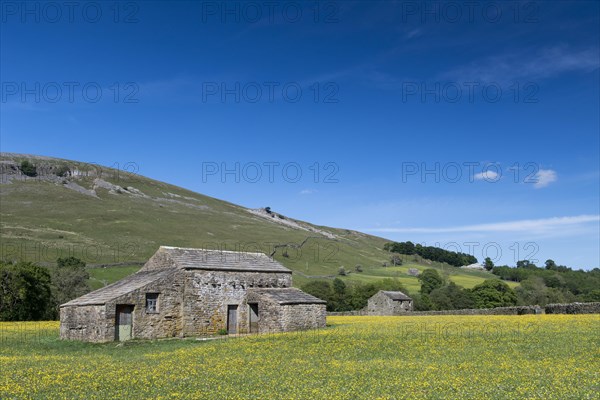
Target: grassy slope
(41, 220)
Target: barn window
(152, 303)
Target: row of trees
(431, 253)
(29, 292)
(557, 282)
(438, 293)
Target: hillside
(116, 220)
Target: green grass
(100, 277)
(42, 220)
(436, 357)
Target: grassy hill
(117, 220)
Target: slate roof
(124, 286)
(287, 296)
(187, 258)
(396, 296)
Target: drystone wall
(517, 310)
(573, 308)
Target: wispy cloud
(543, 225)
(527, 65)
(308, 191)
(544, 177)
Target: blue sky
(474, 127)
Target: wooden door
(232, 319)
(124, 323)
(253, 317)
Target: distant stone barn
(389, 303)
(183, 292)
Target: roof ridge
(212, 250)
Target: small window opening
(152, 303)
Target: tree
(320, 289)
(592, 296)
(526, 264)
(69, 279)
(493, 293)
(342, 271)
(533, 291)
(488, 264)
(391, 284)
(28, 168)
(421, 302)
(361, 294)
(451, 297)
(339, 298)
(550, 264)
(396, 260)
(430, 279)
(25, 293)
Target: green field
(441, 357)
(42, 218)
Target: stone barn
(389, 303)
(184, 292)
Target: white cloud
(488, 175)
(528, 65)
(308, 191)
(544, 177)
(543, 225)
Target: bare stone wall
(208, 293)
(303, 316)
(167, 322)
(380, 304)
(275, 317)
(270, 314)
(86, 323)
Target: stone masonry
(389, 303)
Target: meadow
(437, 357)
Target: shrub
(28, 168)
(62, 170)
(396, 260)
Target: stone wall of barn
(275, 317)
(380, 304)
(296, 317)
(87, 323)
(270, 314)
(208, 293)
(167, 322)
